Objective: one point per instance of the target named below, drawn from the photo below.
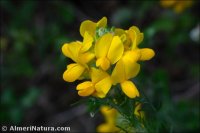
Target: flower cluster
(106, 57)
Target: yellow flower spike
(90, 26)
(113, 46)
(108, 50)
(146, 54)
(129, 89)
(85, 88)
(73, 72)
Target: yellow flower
(90, 26)
(131, 39)
(177, 5)
(122, 72)
(108, 50)
(77, 51)
(136, 38)
(110, 115)
(99, 86)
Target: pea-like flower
(108, 50)
(77, 51)
(99, 85)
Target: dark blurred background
(33, 32)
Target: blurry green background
(32, 34)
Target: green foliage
(13, 108)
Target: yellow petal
(136, 29)
(85, 88)
(86, 57)
(116, 50)
(88, 26)
(146, 54)
(105, 128)
(87, 42)
(103, 62)
(103, 45)
(65, 50)
(131, 56)
(118, 74)
(136, 36)
(74, 50)
(99, 94)
(73, 72)
(123, 37)
(129, 89)
(102, 22)
(133, 36)
(104, 85)
(140, 38)
(97, 75)
(108, 111)
(131, 70)
(119, 31)
(84, 85)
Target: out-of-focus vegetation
(34, 93)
